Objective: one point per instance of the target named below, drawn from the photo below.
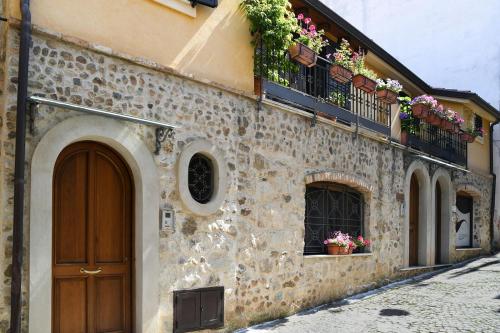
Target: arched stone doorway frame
(117, 135)
(442, 177)
(424, 225)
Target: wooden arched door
(92, 241)
(414, 218)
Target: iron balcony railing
(312, 89)
(440, 143)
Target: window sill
(182, 6)
(330, 256)
(468, 249)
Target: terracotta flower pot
(340, 73)
(446, 125)
(334, 249)
(303, 54)
(387, 96)
(404, 138)
(433, 119)
(467, 137)
(364, 83)
(420, 111)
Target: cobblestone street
(464, 299)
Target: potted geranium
(364, 78)
(457, 122)
(338, 243)
(342, 63)
(360, 244)
(421, 105)
(388, 91)
(448, 121)
(309, 42)
(435, 115)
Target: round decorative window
(201, 178)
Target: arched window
(330, 207)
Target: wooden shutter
(186, 311)
(198, 309)
(212, 307)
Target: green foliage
(271, 20)
(338, 98)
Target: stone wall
(253, 245)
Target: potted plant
(435, 115)
(342, 63)
(364, 78)
(408, 123)
(388, 91)
(360, 244)
(421, 105)
(308, 44)
(470, 134)
(338, 243)
(457, 122)
(448, 121)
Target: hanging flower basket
(433, 119)
(302, 54)
(420, 111)
(467, 137)
(387, 96)
(364, 83)
(340, 73)
(335, 249)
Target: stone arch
(442, 177)
(117, 135)
(424, 229)
(355, 182)
(471, 190)
(477, 201)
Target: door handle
(97, 271)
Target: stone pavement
(463, 299)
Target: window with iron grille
(478, 124)
(330, 208)
(201, 178)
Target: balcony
(440, 143)
(313, 90)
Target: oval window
(201, 178)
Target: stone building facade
(253, 242)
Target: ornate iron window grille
(330, 208)
(201, 178)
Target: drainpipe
(493, 190)
(17, 232)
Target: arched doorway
(92, 252)
(414, 220)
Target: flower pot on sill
(340, 74)
(467, 137)
(433, 119)
(303, 54)
(420, 111)
(334, 249)
(404, 138)
(364, 83)
(387, 96)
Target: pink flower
(312, 27)
(300, 17)
(307, 20)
